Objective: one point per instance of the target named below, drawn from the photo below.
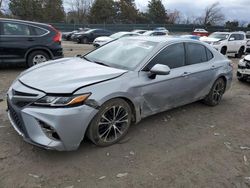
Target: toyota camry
(56, 104)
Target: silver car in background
(56, 104)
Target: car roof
(24, 21)
(235, 32)
(167, 39)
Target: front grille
(16, 118)
(241, 67)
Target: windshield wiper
(100, 63)
(86, 58)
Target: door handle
(213, 67)
(185, 74)
(30, 39)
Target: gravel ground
(192, 146)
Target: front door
(165, 91)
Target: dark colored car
(91, 35)
(68, 35)
(30, 42)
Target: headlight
(62, 101)
(216, 43)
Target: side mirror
(232, 39)
(159, 69)
(78, 55)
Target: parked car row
(86, 35)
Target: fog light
(49, 131)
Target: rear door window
(196, 53)
(38, 31)
(209, 55)
(15, 29)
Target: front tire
(223, 50)
(215, 95)
(240, 53)
(85, 40)
(111, 123)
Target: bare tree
(174, 17)
(78, 9)
(1, 5)
(213, 15)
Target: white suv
(228, 43)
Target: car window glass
(15, 29)
(237, 37)
(241, 37)
(209, 55)
(115, 54)
(172, 56)
(196, 53)
(160, 34)
(39, 31)
(233, 36)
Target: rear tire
(111, 123)
(215, 95)
(37, 57)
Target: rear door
(15, 40)
(200, 69)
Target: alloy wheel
(39, 59)
(218, 91)
(113, 124)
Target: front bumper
(243, 72)
(70, 124)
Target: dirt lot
(192, 146)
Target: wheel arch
(224, 79)
(243, 48)
(44, 49)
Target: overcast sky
(233, 9)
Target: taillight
(58, 35)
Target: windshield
(117, 35)
(148, 33)
(89, 31)
(219, 36)
(124, 53)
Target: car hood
(67, 75)
(103, 39)
(209, 39)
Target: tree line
(107, 12)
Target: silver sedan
(56, 104)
